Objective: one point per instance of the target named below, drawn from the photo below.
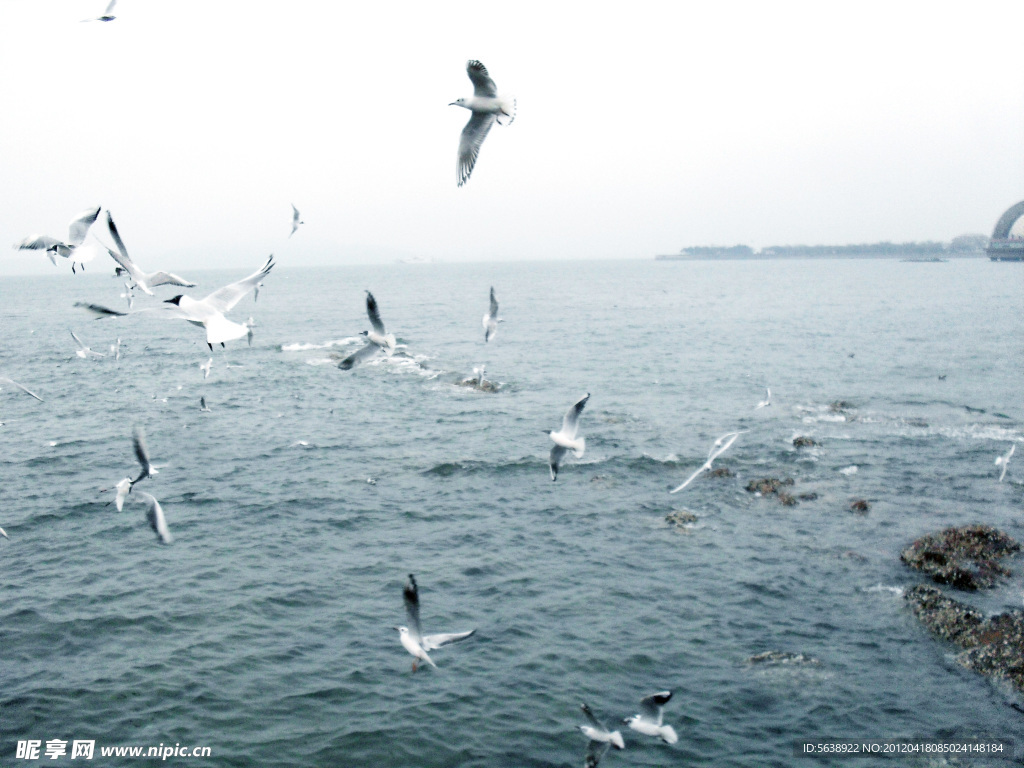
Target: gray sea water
(265, 632)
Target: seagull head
(458, 103)
(176, 300)
(403, 631)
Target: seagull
(155, 516)
(205, 368)
(116, 349)
(600, 738)
(721, 445)
(1004, 461)
(4, 534)
(143, 280)
(78, 228)
(142, 454)
(491, 319)
(296, 220)
(203, 407)
(412, 640)
(207, 312)
(378, 339)
(22, 387)
(767, 400)
(487, 108)
(565, 439)
(106, 14)
(84, 351)
(649, 720)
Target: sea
(264, 635)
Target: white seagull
(491, 319)
(155, 516)
(84, 351)
(412, 639)
(487, 108)
(22, 387)
(296, 220)
(565, 439)
(143, 280)
(377, 339)
(767, 399)
(205, 368)
(106, 14)
(600, 738)
(124, 487)
(208, 312)
(1004, 461)
(78, 228)
(721, 445)
(649, 720)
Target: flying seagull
(208, 312)
(487, 108)
(205, 368)
(84, 351)
(296, 220)
(124, 487)
(106, 14)
(377, 339)
(1004, 461)
(155, 516)
(22, 387)
(412, 639)
(78, 228)
(600, 738)
(203, 407)
(144, 280)
(721, 445)
(565, 439)
(491, 319)
(767, 399)
(649, 720)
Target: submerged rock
(801, 441)
(680, 518)
(993, 647)
(768, 485)
(860, 505)
(964, 557)
(838, 406)
(721, 472)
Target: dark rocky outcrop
(861, 506)
(802, 441)
(965, 558)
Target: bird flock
(83, 244)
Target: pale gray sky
(640, 129)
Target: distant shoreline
(937, 257)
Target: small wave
(897, 591)
(299, 346)
(851, 470)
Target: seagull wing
(141, 451)
(374, 313)
(79, 225)
(494, 305)
(691, 478)
(650, 706)
(225, 298)
(168, 278)
(79, 342)
(721, 445)
(570, 422)
(38, 243)
(121, 257)
(591, 719)
(472, 139)
(595, 751)
(430, 642)
(110, 7)
(411, 597)
(295, 220)
(482, 83)
(22, 387)
(155, 516)
(361, 354)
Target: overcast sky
(641, 128)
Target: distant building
(1004, 244)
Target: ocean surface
(266, 630)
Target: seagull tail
(508, 111)
(578, 447)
